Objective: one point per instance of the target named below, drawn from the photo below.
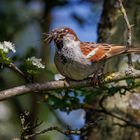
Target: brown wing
(97, 52)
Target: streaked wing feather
(100, 51)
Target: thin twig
(66, 132)
(115, 115)
(17, 70)
(129, 28)
(126, 120)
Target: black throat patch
(59, 44)
(63, 59)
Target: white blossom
(6, 46)
(36, 62)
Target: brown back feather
(104, 51)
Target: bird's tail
(133, 50)
(117, 50)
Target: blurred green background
(23, 22)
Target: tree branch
(53, 85)
(126, 120)
(129, 28)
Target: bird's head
(61, 35)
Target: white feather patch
(92, 53)
(70, 42)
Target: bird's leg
(66, 82)
(97, 78)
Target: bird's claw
(66, 82)
(97, 79)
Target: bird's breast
(72, 64)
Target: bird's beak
(48, 37)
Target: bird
(77, 60)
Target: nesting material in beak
(48, 37)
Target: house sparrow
(78, 60)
